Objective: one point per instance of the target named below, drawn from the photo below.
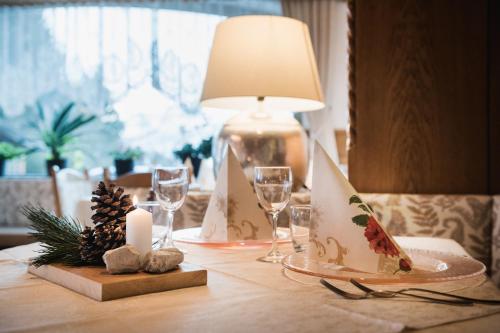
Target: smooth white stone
(125, 259)
(163, 260)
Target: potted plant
(124, 160)
(189, 151)
(8, 151)
(60, 131)
(204, 150)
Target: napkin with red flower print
(344, 229)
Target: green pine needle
(60, 237)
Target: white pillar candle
(140, 230)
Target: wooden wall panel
(419, 90)
(494, 95)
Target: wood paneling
(494, 95)
(420, 96)
(341, 140)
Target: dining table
(241, 295)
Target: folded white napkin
(344, 229)
(233, 212)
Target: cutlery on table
(391, 293)
(366, 295)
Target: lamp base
(258, 140)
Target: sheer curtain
(97, 50)
(98, 53)
(141, 64)
(327, 22)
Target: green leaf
(63, 129)
(72, 125)
(129, 153)
(62, 116)
(59, 237)
(363, 207)
(355, 199)
(40, 111)
(371, 208)
(9, 151)
(361, 220)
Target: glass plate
(192, 235)
(428, 266)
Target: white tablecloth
(242, 295)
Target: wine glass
(170, 186)
(300, 222)
(273, 186)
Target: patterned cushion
(495, 242)
(189, 216)
(192, 212)
(464, 218)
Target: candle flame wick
(135, 200)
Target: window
(140, 69)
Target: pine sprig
(60, 237)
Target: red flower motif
(379, 242)
(404, 265)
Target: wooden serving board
(97, 283)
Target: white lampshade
(262, 56)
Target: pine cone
(151, 196)
(109, 232)
(109, 237)
(88, 250)
(111, 206)
(95, 242)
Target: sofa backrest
(465, 218)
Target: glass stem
(167, 238)
(274, 249)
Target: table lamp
(262, 65)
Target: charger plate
(428, 266)
(192, 235)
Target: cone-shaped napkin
(233, 212)
(344, 229)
